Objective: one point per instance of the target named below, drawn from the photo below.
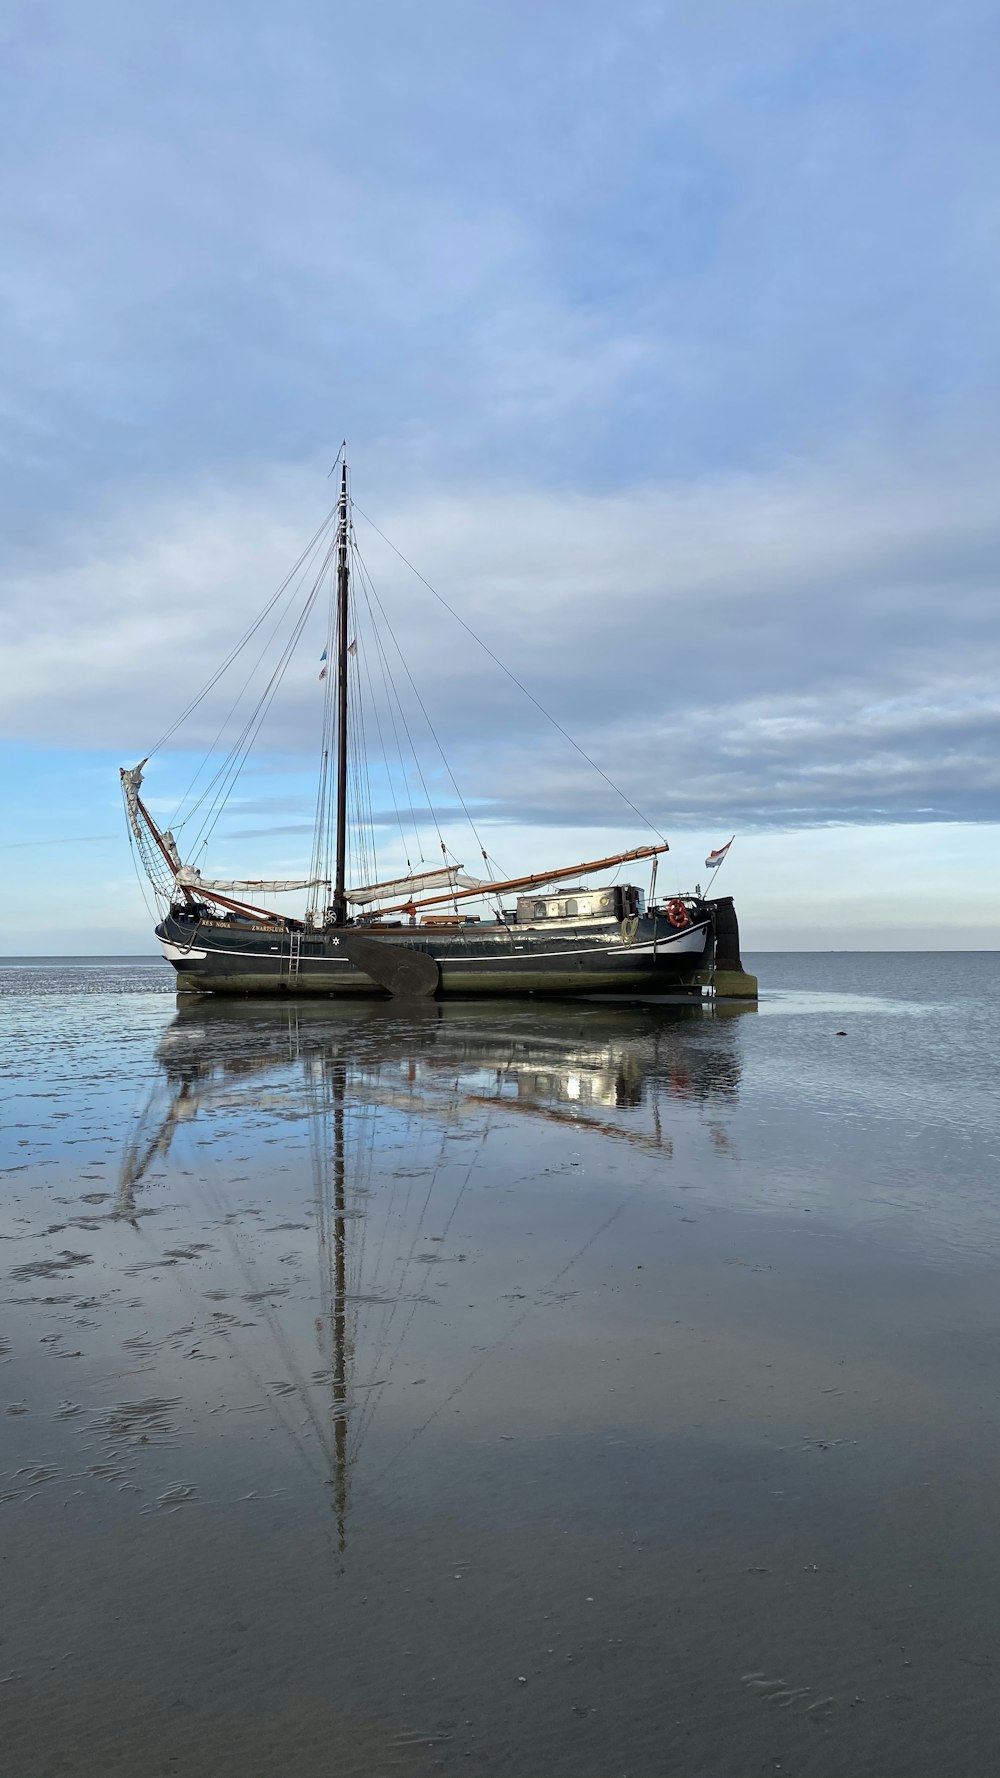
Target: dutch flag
(714, 859)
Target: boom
(537, 877)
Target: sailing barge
(544, 933)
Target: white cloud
(803, 646)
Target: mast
(340, 876)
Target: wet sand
(503, 1390)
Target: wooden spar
(157, 836)
(159, 841)
(538, 877)
(238, 907)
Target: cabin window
(571, 907)
(539, 910)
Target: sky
(664, 341)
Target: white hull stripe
(691, 940)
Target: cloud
(665, 342)
(610, 249)
(816, 644)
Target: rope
(367, 588)
(229, 717)
(423, 708)
(217, 675)
(323, 817)
(236, 759)
(363, 656)
(514, 679)
(489, 1351)
(390, 694)
(215, 794)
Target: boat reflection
(350, 1071)
(545, 1054)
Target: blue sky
(666, 346)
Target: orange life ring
(677, 913)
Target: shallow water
(501, 1389)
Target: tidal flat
(545, 1391)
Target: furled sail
(131, 786)
(190, 877)
(452, 876)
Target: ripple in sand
(148, 1421)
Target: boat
(412, 934)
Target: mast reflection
(612, 1071)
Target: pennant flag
(352, 647)
(323, 655)
(323, 670)
(714, 859)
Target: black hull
(643, 956)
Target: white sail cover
(402, 888)
(190, 877)
(131, 785)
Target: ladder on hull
(294, 954)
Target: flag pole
(722, 860)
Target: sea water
(501, 1388)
